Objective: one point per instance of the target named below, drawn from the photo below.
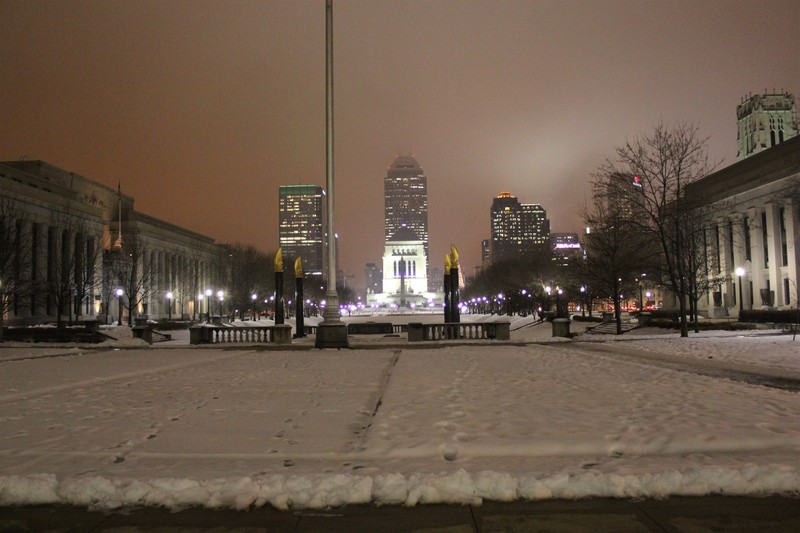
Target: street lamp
(559, 292)
(208, 305)
(583, 300)
(220, 297)
(169, 306)
(549, 290)
(119, 305)
(255, 299)
(740, 273)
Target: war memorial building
(70, 241)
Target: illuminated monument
(405, 257)
(405, 193)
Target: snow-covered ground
(173, 425)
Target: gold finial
(446, 264)
(298, 268)
(279, 260)
(453, 256)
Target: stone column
(793, 245)
(279, 300)
(25, 245)
(773, 273)
(446, 289)
(298, 299)
(455, 313)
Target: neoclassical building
(754, 239)
(71, 244)
(405, 277)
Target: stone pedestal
(331, 335)
(282, 334)
(415, 332)
(143, 332)
(501, 331)
(197, 335)
(561, 327)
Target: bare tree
(15, 257)
(190, 279)
(248, 271)
(617, 251)
(65, 280)
(133, 271)
(663, 163)
(703, 270)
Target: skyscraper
(765, 120)
(518, 230)
(300, 226)
(406, 199)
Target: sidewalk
(710, 513)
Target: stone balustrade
(459, 331)
(218, 334)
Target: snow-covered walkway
(238, 428)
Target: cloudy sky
(202, 108)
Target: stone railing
(279, 334)
(500, 331)
(370, 328)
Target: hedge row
(783, 316)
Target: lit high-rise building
(406, 199)
(518, 230)
(301, 228)
(567, 248)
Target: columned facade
(60, 260)
(755, 230)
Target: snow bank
(327, 491)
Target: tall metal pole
(331, 332)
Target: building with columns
(405, 273)
(74, 243)
(754, 236)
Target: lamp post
(208, 305)
(220, 297)
(119, 305)
(548, 290)
(559, 292)
(255, 299)
(641, 288)
(169, 306)
(740, 274)
(331, 332)
(583, 300)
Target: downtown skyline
(217, 104)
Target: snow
(122, 424)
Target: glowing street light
(119, 305)
(255, 299)
(208, 305)
(169, 306)
(740, 273)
